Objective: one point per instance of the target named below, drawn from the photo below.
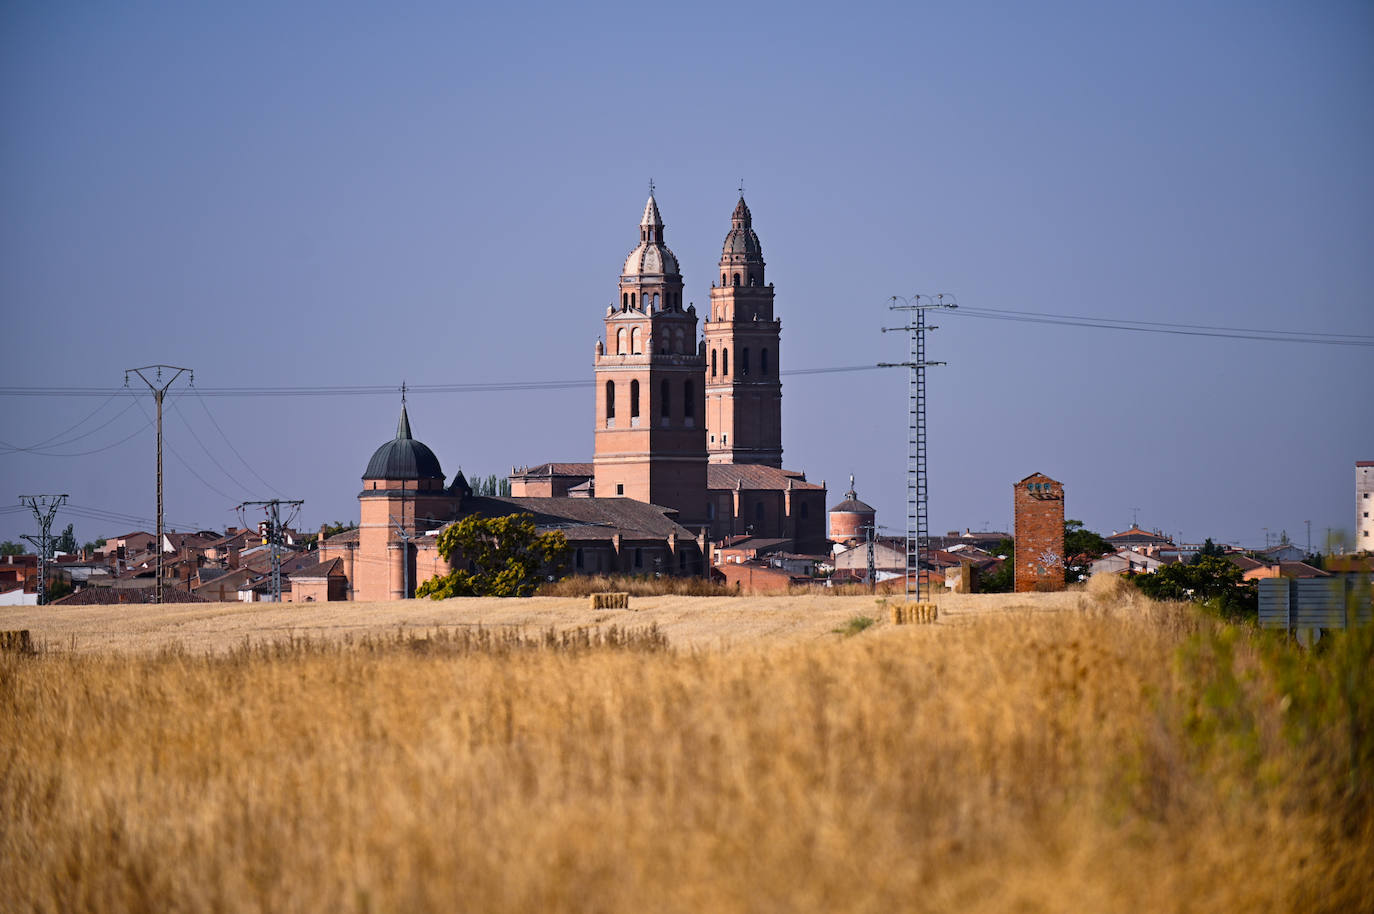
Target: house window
(620, 341)
(736, 279)
(634, 341)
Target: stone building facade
(1038, 505)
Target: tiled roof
(587, 517)
(1301, 570)
(1245, 563)
(103, 596)
(853, 506)
(754, 476)
(558, 469)
(319, 569)
(1136, 535)
(344, 538)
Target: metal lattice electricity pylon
(159, 389)
(917, 480)
(44, 508)
(274, 535)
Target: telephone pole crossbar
(159, 389)
(44, 508)
(917, 479)
(274, 535)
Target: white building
(1364, 506)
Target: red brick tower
(743, 393)
(650, 402)
(1039, 505)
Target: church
(687, 441)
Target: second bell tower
(743, 393)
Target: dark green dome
(403, 457)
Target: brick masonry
(1038, 502)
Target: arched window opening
(713, 363)
(610, 399)
(744, 361)
(763, 362)
(634, 341)
(634, 399)
(665, 399)
(752, 280)
(736, 279)
(725, 361)
(620, 341)
(689, 400)
(722, 279)
(632, 299)
(655, 301)
(624, 300)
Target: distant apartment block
(1364, 505)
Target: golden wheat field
(1112, 755)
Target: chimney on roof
(233, 560)
(319, 543)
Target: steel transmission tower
(159, 389)
(44, 508)
(274, 537)
(917, 481)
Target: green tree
(1081, 548)
(94, 546)
(1209, 548)
(12, 548)
(66, 542)
(491, 485)
(1001, 580)
(1212, 581)
(496, 557)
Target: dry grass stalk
(582, 585)
(1137, 760)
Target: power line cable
(49, 441)
(97, 450)
(208, 453)
(190, 469)
(1235, 333)
(229, 441)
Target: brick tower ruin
(743, 393)
(1038, 502)
(650, 435)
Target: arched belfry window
(610, 399)
(725, 362)
(624, 300)
(722, 279)
(665, 408)
(763, 361)
(634, 341)
(736, 279)
(655, 301)
(744, 361)
(713, 363)
(620, 341)
(632, 299)
(634, 399)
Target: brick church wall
(1038, 502)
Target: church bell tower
(743, 393)
(650, 404)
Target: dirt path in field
(711, 622)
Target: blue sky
(335, 194)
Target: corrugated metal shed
(1336, 602)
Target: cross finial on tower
(741, 187)
(651, 187)
(403, 393)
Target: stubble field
(1105, 754)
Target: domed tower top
(651, 257)
(404, 458)
(742, 254)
